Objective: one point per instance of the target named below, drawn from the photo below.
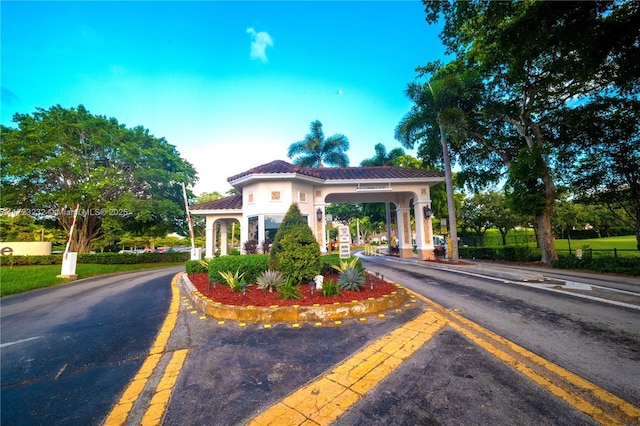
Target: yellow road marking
(325, 399)
(160, 399)
(580, 393)
(119, 413)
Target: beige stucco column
(404, 231)
(424, 233)
(224, 240)
(320, 228)
(209, 237)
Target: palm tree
(382, 158)
(435, 118)
(315, 150)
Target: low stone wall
(319, 313)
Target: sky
(230, 84)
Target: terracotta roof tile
(233, 202)
(339, 173)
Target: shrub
(270, 280)
(251, 247)
(196, 267)
(351, 279)
(252, 265)
(295, 251)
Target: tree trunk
(453, 226)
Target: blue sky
(230, 84)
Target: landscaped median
(320, 312)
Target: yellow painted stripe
(160, 399)
(325, 399)
(630, 414)
(119, 413)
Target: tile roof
(339, 173)
(233, 202)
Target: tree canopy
(316, 151)
(528, 65)
(123, 179)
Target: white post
(69, 259)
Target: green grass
(620, 243)
(24, 278)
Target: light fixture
(319, 215)
(426, 210)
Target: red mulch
(257, 297)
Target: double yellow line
(327, 398)
(158, 404)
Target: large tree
(316, 151)
(535, 60)
(122, 179)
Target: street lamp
(319, 215)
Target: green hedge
(97, 258)
(614, 265)
(509, 253)
(194, 267)
(252, 265)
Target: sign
(344, 236)
(345, 250)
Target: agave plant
(270, 280)
(234, 281)
(346, 264)
(351, 279)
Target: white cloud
(259, 43)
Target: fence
(589, 253)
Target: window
(271, 225)
(275, 195)
(302, 197)
(250, 197)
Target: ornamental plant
(270, 280)
(289, 291)
(295, 251)
(234, 281)
(351, 279)
(330, 288)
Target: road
(69, 352)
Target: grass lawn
(24, 278)
(602, 247)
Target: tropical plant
(270, 280)
(350, 263)
(315, 150)
(330, 288)
(234, 281)
(289, 291)
(351, 279)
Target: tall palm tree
(436, 117)
(316, 151)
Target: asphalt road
(69, 352)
